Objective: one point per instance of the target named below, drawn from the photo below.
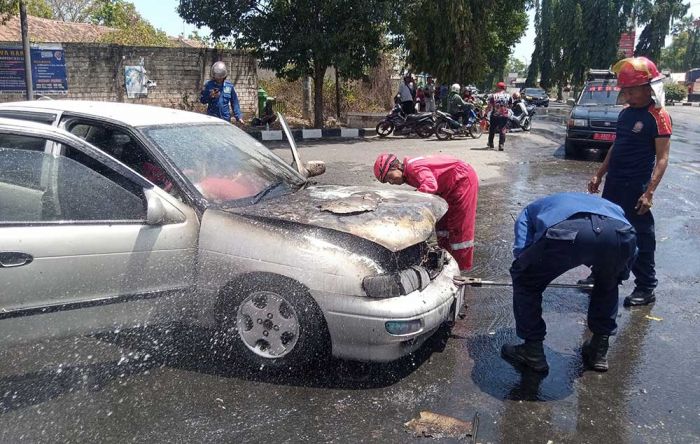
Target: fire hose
(478, 282)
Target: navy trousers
(626, 194)
(608, 245)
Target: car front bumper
(357, 325)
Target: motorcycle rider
(519, 109)
(457, 107)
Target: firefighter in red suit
(450, 178)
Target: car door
(86, 244)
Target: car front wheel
(273, 321)
(570, 149)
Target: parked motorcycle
(422, 124)
(523, 119)
(447, 127)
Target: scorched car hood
(392, 219)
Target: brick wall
(96, 72)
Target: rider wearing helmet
(499, 106)
(450, 178)
(636, 163)
(218, 94)
(519, 109)
(456, 106)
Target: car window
(123, 147)
(22, 142)
(37, 187)
(602, 94)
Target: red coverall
(457, 183)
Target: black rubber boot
(529, 354)
(640, 297)
(595, 353)
(500, 147)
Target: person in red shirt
(447, 177)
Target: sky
(163, 14)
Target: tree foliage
(684, 51)
(132, 29)
(466, 41)
(36, 8)
(70, 10)
(659, 17)
(574, 36)
(299, 38)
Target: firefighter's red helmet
(635, 71)
(501, 85)
(382, 166)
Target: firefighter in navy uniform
(553, 235)
(636, 163)
(220, 96)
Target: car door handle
(9, 259)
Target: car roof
(128, 113)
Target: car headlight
(396, 284)
(578, 122)
(529, 98)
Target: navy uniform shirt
(543, 213)
(219, 107)
(634, 153)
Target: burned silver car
(116, 215)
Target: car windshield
(599, 95)
(532, 91)
(225, 164)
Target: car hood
(394, 219)
(596, 112)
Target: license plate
(604, 136)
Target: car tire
(441, 131)
(268, 320)
(571, 149)
(384, 128)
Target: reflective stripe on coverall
(457, 183)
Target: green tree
(132, 29)
(36, 8)
(70, 10)
(467, 41)
(659, 18)
(683, 52)
(299, 38)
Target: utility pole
(27, 51)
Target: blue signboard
(48, 70)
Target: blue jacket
(541, 214)
(227, 97)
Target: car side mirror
(315, 168)
(159, 211)
(570, 102)
(155, 210)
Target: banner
(48, 70)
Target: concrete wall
(96, 72)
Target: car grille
(603, 124)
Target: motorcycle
(422, 124)
(522, 119)
(447, 127)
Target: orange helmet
(635, 71)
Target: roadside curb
(311, 134)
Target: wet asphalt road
(165, 384)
